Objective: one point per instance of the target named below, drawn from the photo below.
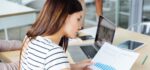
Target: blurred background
(129, 14)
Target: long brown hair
(52, 18)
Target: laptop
(105, 33)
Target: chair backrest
(145, 28)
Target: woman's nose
(81, 26)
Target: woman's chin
(72, 37)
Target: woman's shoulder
(47, 43)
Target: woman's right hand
(83, 65)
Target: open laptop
(105, 33)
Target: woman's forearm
(8, 45)
(73, 66)
(9, 66)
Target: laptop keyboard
(89, 51)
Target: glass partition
(146, 18)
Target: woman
(58, 21)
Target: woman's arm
(99, 6)
(9, 66)
(81, 65)
(9, 45)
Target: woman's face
(73, 24)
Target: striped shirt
(43, 54)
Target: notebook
(113, 59)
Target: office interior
(130, 15)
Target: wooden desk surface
(10, 56)
(123, 35)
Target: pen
(144, 60)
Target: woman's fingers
(87, 68)
(87, 62)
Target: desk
(13, 56)
(10, 56)
(15, 15)
(120, 36)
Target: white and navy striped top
(43, 54)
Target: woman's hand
(83, 65)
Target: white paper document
(110, 57)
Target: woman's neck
(55, 37)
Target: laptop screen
(105, 32)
